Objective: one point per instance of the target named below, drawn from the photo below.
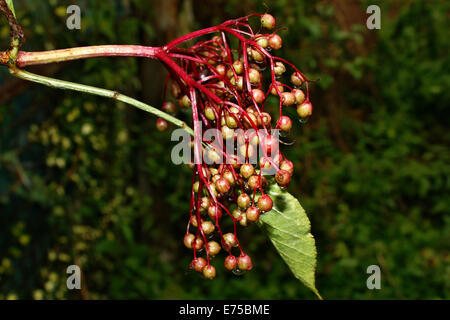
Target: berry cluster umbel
(225, 80)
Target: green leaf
(288, 227)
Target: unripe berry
(204, 204)
(282, 177)
(231, 122)
(222, 185)
(249, 119)
(243, 220)
(229, 176)
(285, 123)
(253, 182)
(185, 102)
(169, 107)
(245, 262)
(214, 211)
(297, 79)
(213, 248)
(227, 133)
(209, 113)
(287, 98)
(221, 69)
(267, 21)
(238, 82)
(266, 119)
(275, 42)
(196, 186)
(161, 124)
(254, 76)
(288, 166)
(247, 170)
(258, 95)
(262, 41)
(238, 66)
(175, 90)
(214, 156)
(189, 240)
(229, 241)
(194, 221)
(209, 272)
(237, 213)
(208, 227)
(198, 243)
(257, 55)
(246, 151)
(252, 214)
(299, 96)
(265, 203)
(243, 201)
(278, 85)
(264, 182)
(304, 110)
(217, 40)
(230, 263)
(279, 68)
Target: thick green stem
(61, 84)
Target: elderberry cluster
(225, 80)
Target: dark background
(88, 181)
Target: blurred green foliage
(88, 181)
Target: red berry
(243, 201)
(282, 177)
(285, 123)
(169, 107)
(258, 95)
(222, 185)
(198, 243)
(175, 90)
(270, 144)
(247, 170)
(230, 263)
(252, 214)
(214, 211)
(161, 124)
(245, 262)
(199, 264)
(275, 42)
(265, 203)
(253, 182)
